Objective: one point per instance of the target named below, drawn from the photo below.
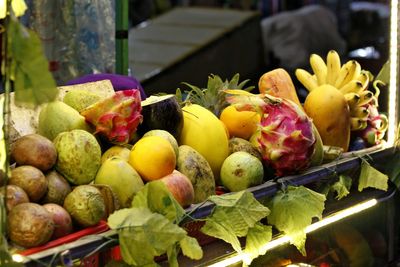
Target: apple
(180, 187)
(62, 220)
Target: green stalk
(4, 149)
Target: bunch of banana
(348, 78)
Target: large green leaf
(242, 206)
(156, 197)
(33, 82)
(232, 217)
(144, 234)
(371, 177)
(292, 211)
(256, 239)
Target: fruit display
(285, 136)
(93, 155)
(354, 83)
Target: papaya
(330, 114)
(204, 132)
(278, 83)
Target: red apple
(62, 220)
(180, 187)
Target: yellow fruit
(152, 157)
(331, 115)
(204, 132)
(240, 123)
(121, 177)
(113, 151)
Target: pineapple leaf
(213, 97)
(234, 81)
(178, 94)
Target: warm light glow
(17, 258)
(285, 239)
(393, 59)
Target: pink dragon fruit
(285, 135)
(117, 117)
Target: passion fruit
(30, 225)
(57, 189)
(31, 180)
(15, 195)
(34, 150)
(61, 218)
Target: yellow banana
(357, 71)
(333, 67)
(364, 79)
(346, 73)
(353, 86)
(359, 112)
(357, 123)
(365, 97)
(352, 99)
(319, 68)
(306, 79)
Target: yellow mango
(204, 132)
(331, 115)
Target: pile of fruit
(92, 153)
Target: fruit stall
(224, 174)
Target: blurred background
(175, 41)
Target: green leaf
(33, 82)
(256, 239)
(191, 248)
(293, 210)
(172, 253)
(240, 205)
(144, 234)
(384, 73)
(342, 187)
(232, 217)
(222, 231)
(156, 197)
(371, 177)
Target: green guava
(240, 170)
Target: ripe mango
(331, 115)
(121, 177)
(56, 117)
